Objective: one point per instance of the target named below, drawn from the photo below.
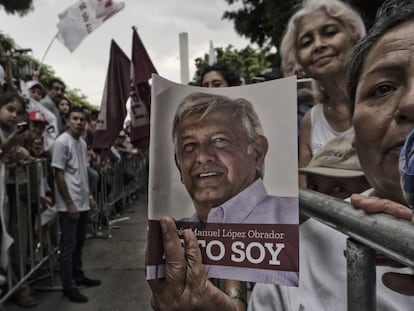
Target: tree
(79, 99)
(264, 21)
(20, 7)
(248, 61)
(19, 59)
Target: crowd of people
(353, 123)
(41, 123)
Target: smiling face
(213, 159)
(384, 109)
(213, 79)
(323, 45)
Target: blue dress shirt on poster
(406, 164)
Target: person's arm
(185, 287)
(92, 204)
(10, 143)
(305, 151)
(398, 282)
(64, 192)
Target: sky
(159, 23)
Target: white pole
(47, 50)
(184, 66)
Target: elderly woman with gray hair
(321, 35)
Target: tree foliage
(248, 61)
(264, 21)
(261, 21)
(20, 7)
(46, 72)
(78, 99)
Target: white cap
(33, 83)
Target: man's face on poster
(215, 159)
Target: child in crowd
(35, 90)
(34, 141)
(12, 111)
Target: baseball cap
(33, 83)
(37, 116)
(335, 159)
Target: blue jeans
(72, 238)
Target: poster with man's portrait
(223, 162)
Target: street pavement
(118, 261)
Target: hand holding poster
(221, 163)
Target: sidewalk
(118, 262)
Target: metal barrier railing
(129, 176)
(390, 236)
(31, 248)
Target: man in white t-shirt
(70, 163)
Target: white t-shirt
(70, 155)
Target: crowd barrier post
(30, 251)
(388, 235)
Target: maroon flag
(113, 106)
(141, 70)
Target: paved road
(118, 262)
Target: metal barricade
(31, 248)
(128, 178)
(32, 251)
(390, 236)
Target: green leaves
(20, 7)
(249, 62)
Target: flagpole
(47, 50)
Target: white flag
(79, 20)
(212, 58)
